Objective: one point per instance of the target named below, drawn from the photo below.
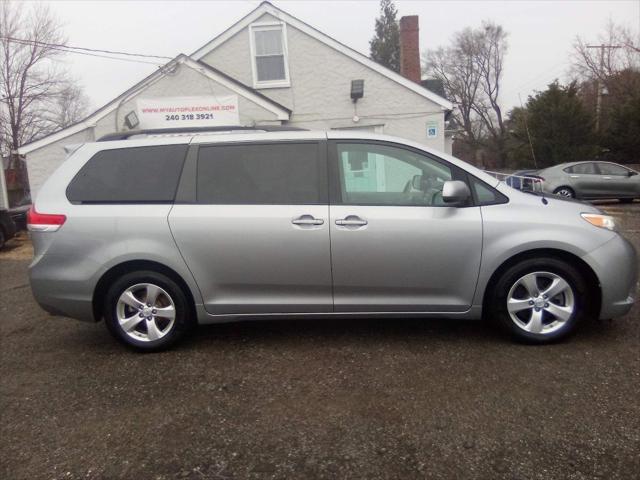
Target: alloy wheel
(541, 302)
(145, 312)
(564, 192)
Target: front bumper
(616, 266)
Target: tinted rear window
(267, 174)
(129, 175)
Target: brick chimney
(410, 48)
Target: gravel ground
(315, 399)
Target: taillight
(44, 222)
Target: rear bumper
(61, 290)
(616, 265)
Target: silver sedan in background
(592, 180)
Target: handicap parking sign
(432, 130)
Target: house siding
(41, 163)
(319, 95)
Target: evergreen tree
(385, 44)
(622, 138)
(561, 128)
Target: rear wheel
(147, 311)
(625, 200)
(540, 300)
(2, 238)
(565, 192)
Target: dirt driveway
(317, 399)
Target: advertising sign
(178, 112)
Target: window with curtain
(270, 60)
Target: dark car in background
(592, 180)
(19, 212)
(7, 227)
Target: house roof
(281, 112)
(268, 8)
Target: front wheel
(540, 300)
(147, 311)
(625, 200)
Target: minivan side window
(261, 174)
(374, 174)
(129, 175)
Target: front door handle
(575, 176)
(307, 220)
(607, 178)
(351, 221)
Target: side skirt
(204, 318)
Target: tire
(625, 200)
(538, 323)
(150, 326)
(2, 238)
(565, 192)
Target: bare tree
(608, 70)
(614, 51)
(471, 69)
(456, 67)
(33, 89)
(70, 105)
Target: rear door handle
(351, 221)
(307, 220)
(607, 178)
(575, 176)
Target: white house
(267, 69)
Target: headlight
(602, 221)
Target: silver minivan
(156, 233)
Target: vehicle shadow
(378, 333)
(372, 331)
(331, 331)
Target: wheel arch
(120, 269)
(591, 278)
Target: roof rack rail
(185, 130)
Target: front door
(585, 180)
(616, 181)
(256, 235)
(395, 245)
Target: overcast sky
(541, 33)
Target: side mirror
(455, 193)
(631, 173)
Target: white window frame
(285, 53)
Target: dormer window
(269, 55)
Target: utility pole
(600, 82)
